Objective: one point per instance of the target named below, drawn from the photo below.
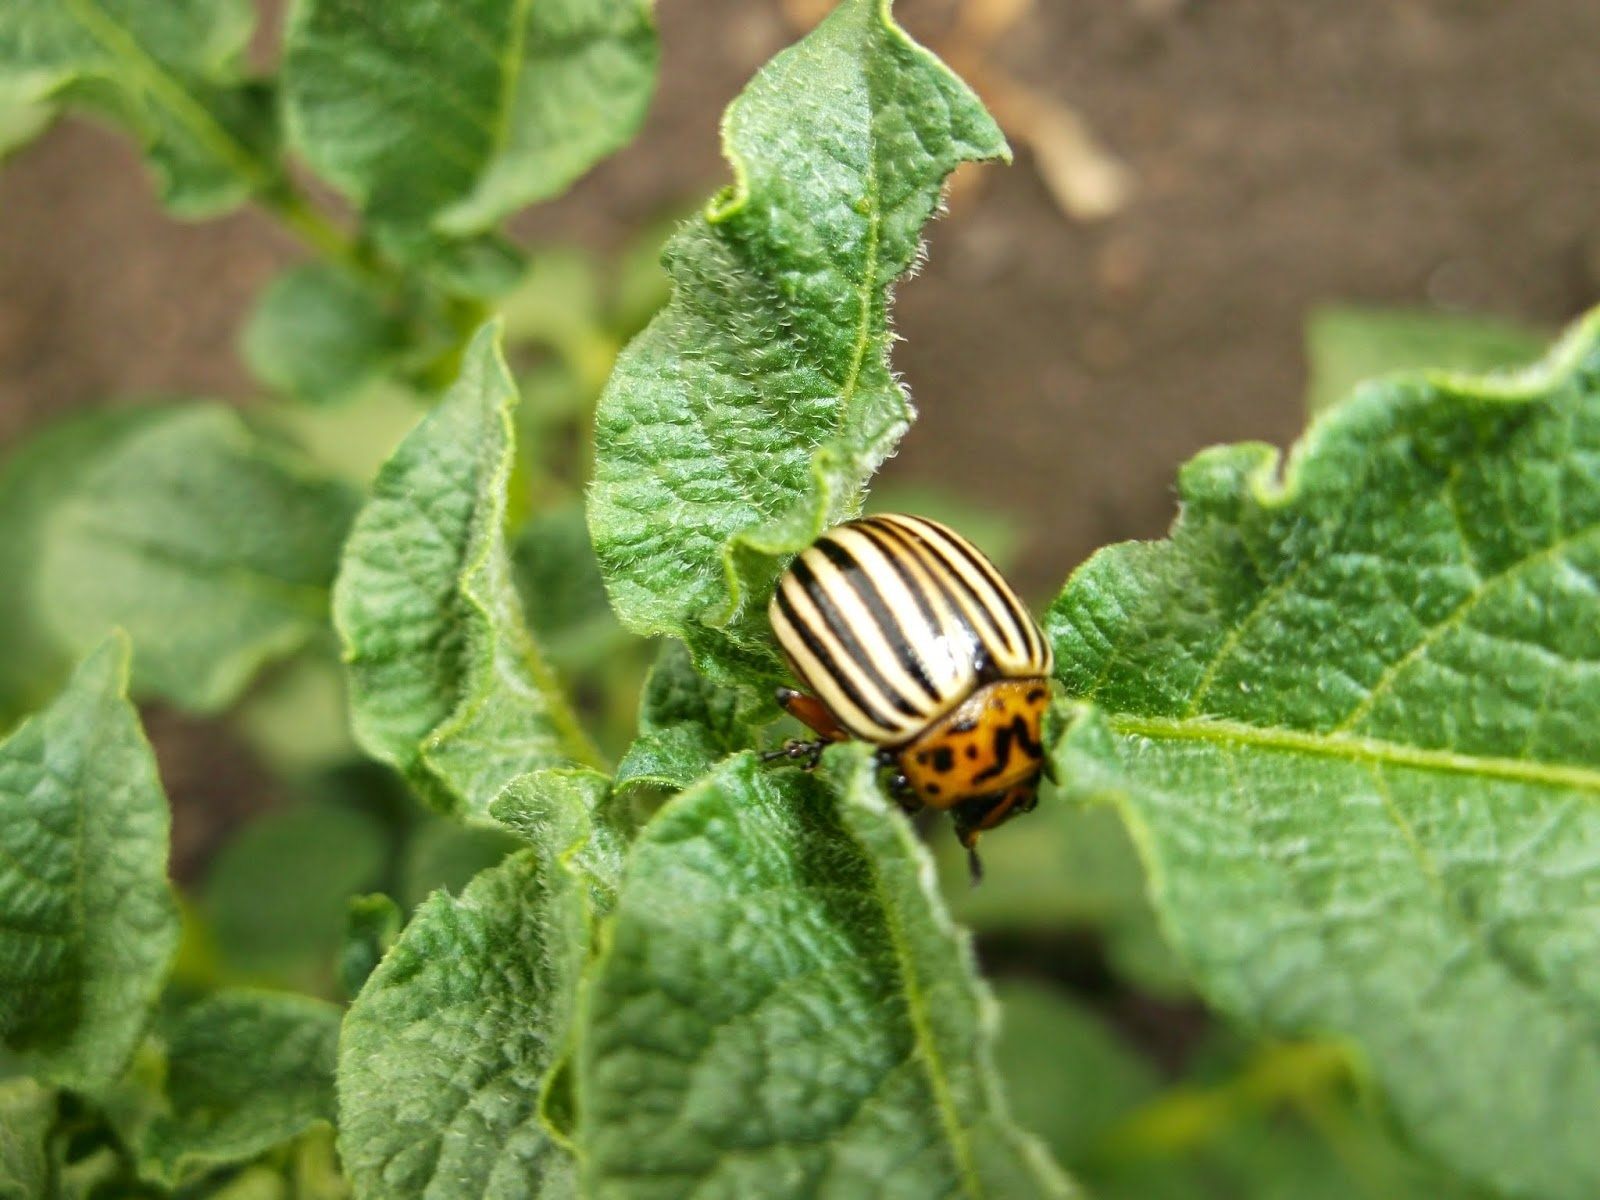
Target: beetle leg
(811, 713)
(805, 754)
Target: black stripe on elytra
(860, 579)
(1019, 615)
(945, 576)
(1014, 734)
(825, 659)
(846, 636)
(944, 543)
(894, 554)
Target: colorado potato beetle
(910, 640)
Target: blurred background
(1220, 213)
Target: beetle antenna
(974, 866)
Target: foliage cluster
(1326, 755)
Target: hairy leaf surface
(448, 117)
(754, 407)
(246, 1071)
(167, 69)
(446, 682)
(687, 724)
(212, 548)
(445, 1053)
(1349, 715)
(87, 921)
(783, 1009)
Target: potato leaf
(169, 70)
(782, 1008)
(447, 1049)
(686, 725)
(446, 682)
(27, 1114)
(445, 118)
(246, 1071)
(87, 920)
(752, 410)
(213, 548)
(1348, 713)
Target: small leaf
(169, 71)
(33, 481)
(278, 894)
(431, 116)
(246, 1071)
(1349, 717)
(87, 921)
(446, 682)
(372, 926)
(213, 549)
(781, 1008)
(446, 1049)
(752, 410)
(321, 334)
(27, 1114)
(687, 724)
(1349, 346)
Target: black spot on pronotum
(922, 756)
(1035, 695)
(943, 759)
(1016, 734)
(972, 752)
(933, 789)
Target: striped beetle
(911, 641)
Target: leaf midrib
(1363, 750)
(125, 48)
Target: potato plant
(1325, 758)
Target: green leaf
(87, 921)
(446, 682)
(373, 925)
(278, 894)
(212, 548)
(1065, 867)
(440, 117)
(23, 116)
(1049, 1048)
(246, 1071)
(1276, 1120)
(1348, 714)
(687, 724)
(563, 595)
(781, 1008)
(169, 71)
(752, 410)
(446, 1050)
(1349, 346)
(321, 334)
(27, 1114)
(33, 481)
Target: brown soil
(1433, 152)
